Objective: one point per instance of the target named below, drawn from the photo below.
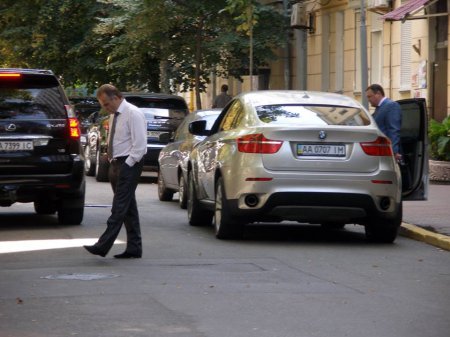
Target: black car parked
(88, 112)
(41, 158)
(163, 112)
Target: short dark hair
(109, 90)
(224, 88)
(376, 88)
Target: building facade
(406, 49)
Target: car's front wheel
(182, 192)
(89, 166)
(164, 194)
(226, 226)
(196, 214)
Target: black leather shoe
(94, 250)
(126, 255)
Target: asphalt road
(280, 281)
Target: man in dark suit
(127, 145)
(387, 115)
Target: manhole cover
(79, 276)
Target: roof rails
(27, 71)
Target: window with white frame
(405, 56)
(357, 78)
(376, 55)
(339, 58)
(325, 62)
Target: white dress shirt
(130, 135)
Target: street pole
(250, 26)
(364, 67)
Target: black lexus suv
(41, 158)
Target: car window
(233, 117)
(149, 102)
(31, 101)
(315, 115)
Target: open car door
(414, 139)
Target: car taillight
(10, 75)
(74, 128)
(379, 147)
(257, 143)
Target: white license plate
(153, 133)
(320, 150)
(8, 146)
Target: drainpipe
(287, 52)
(364, 67)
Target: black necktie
(376, 111)
(111, 136)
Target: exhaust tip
(251, 200)
(385, 203)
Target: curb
(420, 234)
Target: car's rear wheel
(226, 226)
(332, 225)
(196, 214)
(384, 230)
(89, 166)
(44, 206)
(164, 194)
(182, 192)
(71, 208)
(101, 167)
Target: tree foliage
(168, 45)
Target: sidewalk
(429, 221)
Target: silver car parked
(172, 174)
(309, 157)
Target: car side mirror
(198, 128)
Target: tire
(71, 208)
(382, 230)
(332, 225)
(225, 225)
(182, 191)
(164, 194)
(70, 216)
(196, 214)
(101, 167)
(42, 206)
(89, 164)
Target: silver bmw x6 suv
(309, 157)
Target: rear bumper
(28, 188)
(314, 208)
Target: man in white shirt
(127, 145)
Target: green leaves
(439, 135)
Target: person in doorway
(223, 98)
(127, 145)
(387, 115)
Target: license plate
(10, 146)
(153, 134)
(320, 150)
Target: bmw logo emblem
(322, 135)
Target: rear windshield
(314, 115)
(31, 97)
(168, 103)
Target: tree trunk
(198, 62)
(163, 69)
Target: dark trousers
(124, 181)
